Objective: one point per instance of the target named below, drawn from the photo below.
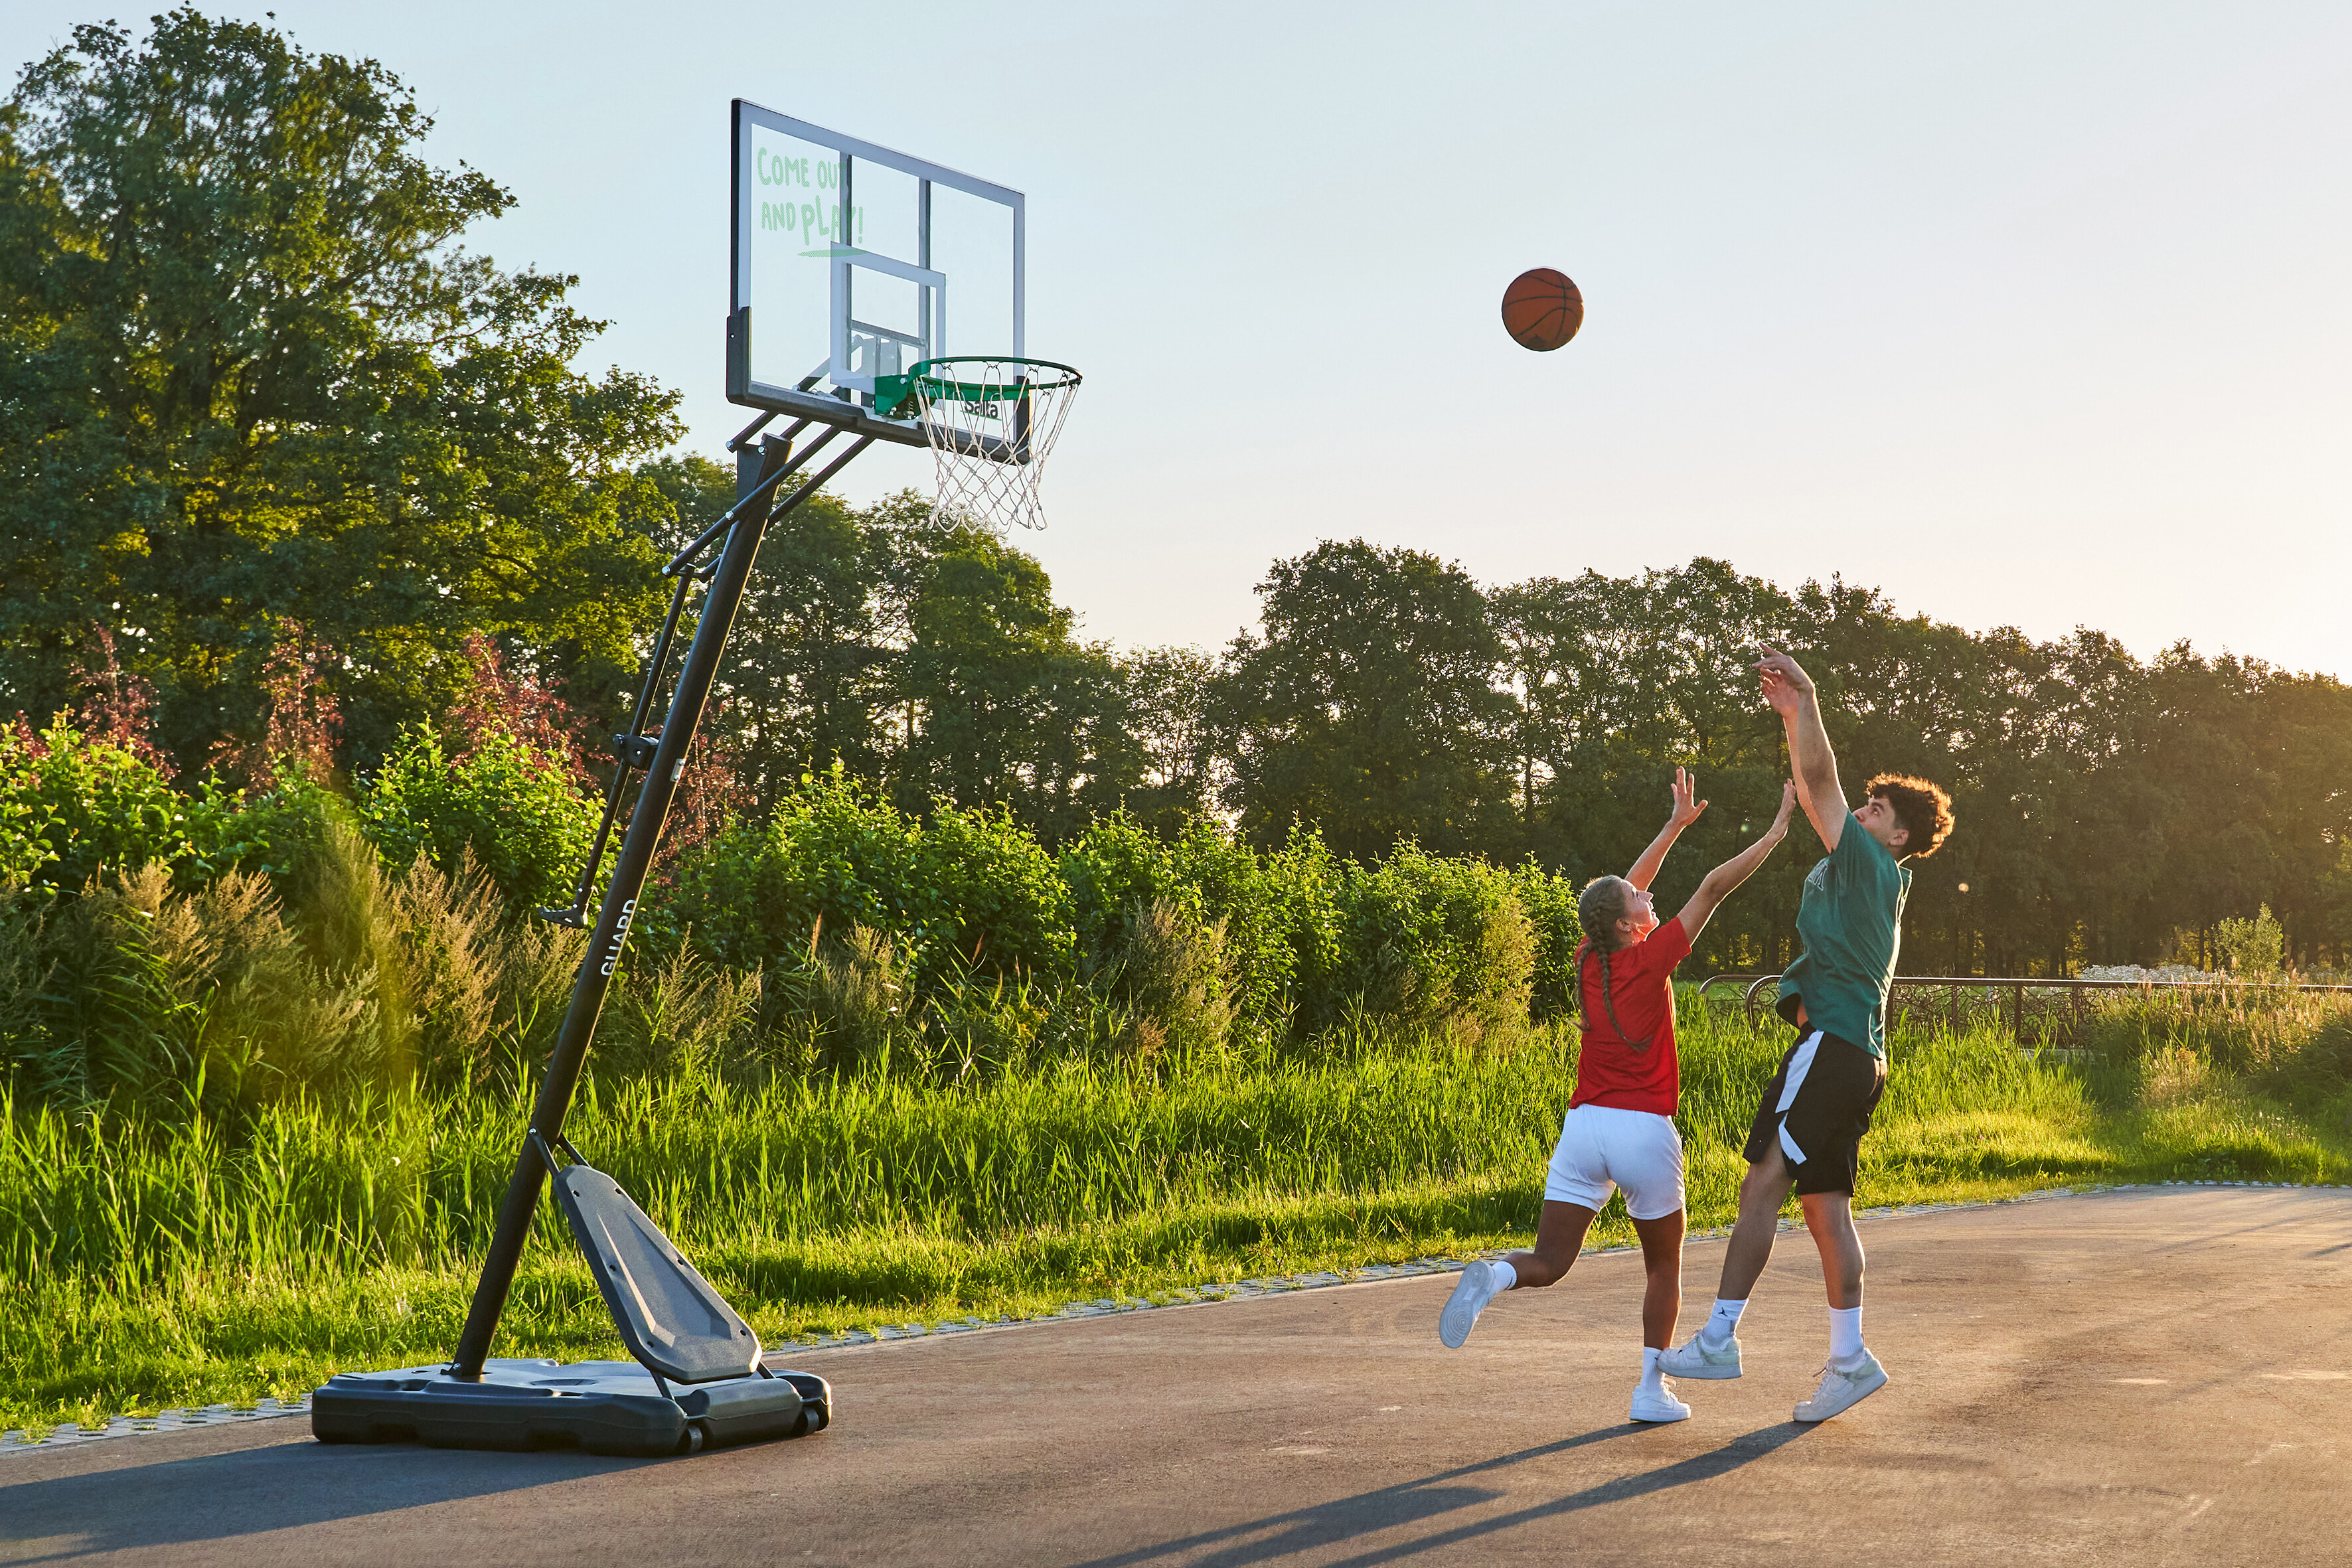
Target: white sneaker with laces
(1658, 1405)
(1842, 1388)
(1695, 1358)
(1471, 1294)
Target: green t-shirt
(1851, 924)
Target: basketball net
(991, 423)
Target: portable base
(600, 1406)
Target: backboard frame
(847, 397)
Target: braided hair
(1600, 908)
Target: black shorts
(1816, 1109)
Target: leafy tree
(814, 673)
(250, 372)
(1169, 716)
(1368, 707)
(1619, 680)
(1004, 705)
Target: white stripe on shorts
(1799, 1065)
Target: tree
(1618, 681)
(1169, 696)
(251, 375)
(1003, 706)
(1368, 706)
(805, 680)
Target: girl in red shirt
(1620, 1132)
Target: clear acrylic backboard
(851, 261)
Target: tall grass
(162, 1256)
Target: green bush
(1435, 942)
(1169, 972)
(1550, 903)
(2237, 1029)
(835, 855)
(88, 1010)
(970, 890)
(999, 899)
(1277, 915)
(513, 807)
(71, 806)
(1247, 947)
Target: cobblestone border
(69, 1434)
(16, 1442)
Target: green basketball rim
(890, 392)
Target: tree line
(262, 408)
(2112, 809)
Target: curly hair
(1921, 807)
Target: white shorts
(1603, 1147)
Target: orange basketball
(1542, 308)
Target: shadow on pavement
(217, 1497)
(1410, 1502)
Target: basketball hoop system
(846, 254)
(991, 423)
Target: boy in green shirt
(1809, 1124)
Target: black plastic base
(602, 1406)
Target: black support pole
(619, 908)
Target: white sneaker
(1695, 1358)
(1657, 1404)
(1471, 1294)
(1842, 1389)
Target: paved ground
(2142, 1377)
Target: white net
(991, 423)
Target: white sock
(1723, 1322)
(1650, 1370)
(1504, 1276)
(1845, 1333)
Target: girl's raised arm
(1738, 868)
(1682, 816)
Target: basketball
(1542, 308)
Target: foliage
(360, 981)
(251, 373)
(1435, 943)
(1007, 708)
(2233, 1029)
(515, 810)
(1277, 916)
(2253, 948)
(968, 890)
(1172, 715)
(72, 806)
(1368, 708)
(88, 1008)
(1550, 905)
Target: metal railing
(2019, 989)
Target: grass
(155, 1260)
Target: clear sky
(2035, 314)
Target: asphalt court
(2149, 1376)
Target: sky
(2027, 315)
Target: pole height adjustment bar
(659, 756)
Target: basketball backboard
(851, 261)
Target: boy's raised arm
(1790, 692)
(1682, 816)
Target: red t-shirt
(1609, 1071)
